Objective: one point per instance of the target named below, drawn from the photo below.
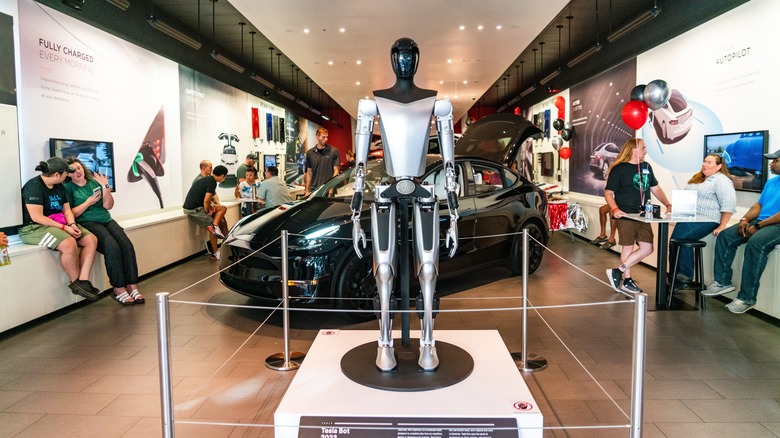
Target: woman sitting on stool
(90, 197)
(716, 201)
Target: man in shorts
(629, 185)
(198, 206)
(48, 221)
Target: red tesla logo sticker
(523, 406)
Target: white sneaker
(716, 289)
(739, 306)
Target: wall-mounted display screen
(269, 161)
(547, 163)
(97, 156)
(743, 154)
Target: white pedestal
(494, 390)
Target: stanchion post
(638, 365)
(285, 361)
(164, 357)
(528, 362)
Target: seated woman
(90, 195)
(47, 220)
(716, 201)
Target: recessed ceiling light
(480, 27)
(330, 62)
(342, 30)
(465, 82)
(449, 61)
(365, 97)
(462, 27)
(357, 82)
(441, 82)
(358, 62)
(498, 27)
(306, 30)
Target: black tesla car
(494, 200)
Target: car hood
(496, 137)
(300, 218)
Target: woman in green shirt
(90, 199)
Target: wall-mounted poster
(269, 127)
(282, 133)
(276, 127)
(547, 123)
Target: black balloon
(558, 124)
(566, 134)
(638, 92)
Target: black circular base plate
(455, 364)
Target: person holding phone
(90, 196)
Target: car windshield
(340, 186)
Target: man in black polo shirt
(199, 207)
(322, 163)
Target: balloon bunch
(652, 96)
(565, 129)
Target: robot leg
(426, 242)
(383, 227)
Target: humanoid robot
(406, 112)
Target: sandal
(137, 297)
(124, 299)
(607, 245)
(598, 240)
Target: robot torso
(405, 128)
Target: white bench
(34, 284)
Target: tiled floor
(93, 371)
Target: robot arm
(443, 113)
(365, 125)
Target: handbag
(59, 218)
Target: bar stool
(698, 268)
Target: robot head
(404, 55)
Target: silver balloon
(656, 94)
(557, 142)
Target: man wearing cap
(241, 171)
(48, 221)
(759, 231)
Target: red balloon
(634, 114)
(560, 102)
(565, 152)
(561, 113)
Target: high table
(662, 253)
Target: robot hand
(451, 237)
(358, 235)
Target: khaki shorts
(44, 235)
(200, 216)
(631, 232)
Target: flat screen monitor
(743, 154)
(547, 163)
(97, 156)
(269, 160)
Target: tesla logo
(523, 406)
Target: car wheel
(604, 170)
(535, 250)
(356, 287)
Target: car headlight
(316, 238)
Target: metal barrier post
(164, 357)
(285, 361)
(638, 365)
(528, 362)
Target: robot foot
(385, 359)
(429, 360)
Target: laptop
(684, 204)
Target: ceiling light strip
(173, 32)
